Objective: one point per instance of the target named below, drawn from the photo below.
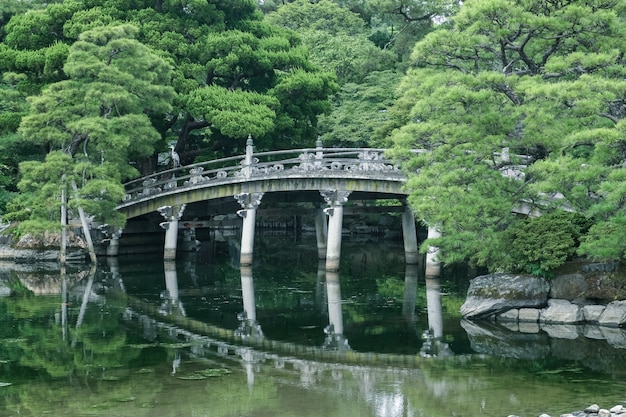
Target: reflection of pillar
(249, 202)
(433, 266)
(433, 303)
(410, 290)
(172, 215)
(247, 292)
(321, 233)
(171, 303)
(248, 326)
(410, 236)
(335, 200)
(333, 290)
(335, 338)
(320, 291)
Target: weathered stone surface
(561, 311)
(614, 315)
(492, 294)
(592, 312)
(510, 315)
(529, 315)
(568, 287)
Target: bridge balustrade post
(172, 215)
(335, 199)
(409, 235)
(247, 167)
(319, 153)
(433, 265)
(249, 203)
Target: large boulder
(562, 311)
(492, 294)
(568, 287)
(614, 315)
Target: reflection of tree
(41, 347)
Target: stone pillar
(172, 215)
(433, 266)
(189, 239)
(335, 199)
(114, 243)
(409, 233)
(321, 233)
(249, 202)
(171, 281)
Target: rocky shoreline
(593, 410)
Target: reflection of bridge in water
(188, 197)
(248, 337)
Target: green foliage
(605, 240)
(360, 111)
(491, 95)
(542, 244)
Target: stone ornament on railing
(196, 176)
(309, 162)
(371, 161)
(149, 188)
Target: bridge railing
(313, 162)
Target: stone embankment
(44, 248)
(593, 411)
(568, 299)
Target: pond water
(203, 337)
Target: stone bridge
(326, 176)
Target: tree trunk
(83, 221)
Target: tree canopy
(111, 84)
(519, 106)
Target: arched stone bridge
(360, 171)
(330, 175)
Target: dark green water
(203, 337)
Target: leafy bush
(542, 244)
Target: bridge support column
(249, 203)
(114, 244)
(409, 234)
(336, 200)
(172, 215)
(433, 266)
(321, 233)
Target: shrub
(540, 245)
